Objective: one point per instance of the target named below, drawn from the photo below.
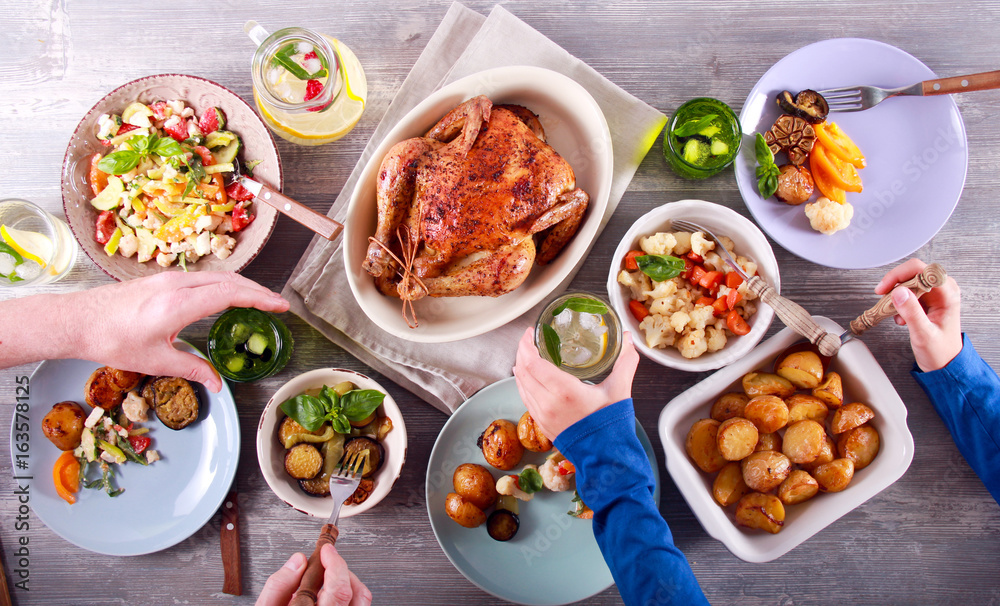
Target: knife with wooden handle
(230, 540)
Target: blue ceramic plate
(164, 503)
(554, 559)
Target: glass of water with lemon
(35, 246)
(580, 333)
(309, 88)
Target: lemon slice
(583, 338)
(30, 245)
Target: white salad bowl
(750, 243)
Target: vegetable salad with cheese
(161, 190)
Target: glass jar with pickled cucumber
(702, 138)
(247, 344)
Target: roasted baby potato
(803, 441)
(860, 445)
(850, 416)
(102, 390)
(63, 425)
(703, 447)
(801, 407)
(462, 511)
(768, 413)
(729, 405)
(531, 436)
(303, 461)
(475, 484)
(729, 486)
(767, 384)
(737, 438)
(500, 445)
(835, 475)
(764, 471)
(803, 369)
(768, 441)
(831, 390)
(827, 453)
(763, 511)
(797, 488)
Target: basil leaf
(692, 127)
(768, 185)
(581, 305)
(330, 398)
(306, 410)
(530, 481)
(660, 267)
(284, 59)
(5, 248)
(119, 162)
(359, 404)
(168, 147)
(762, 151)
(552, 344)
(340, 424)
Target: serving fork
(343, 483)
(857, 98)
(791, 313)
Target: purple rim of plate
(71, 154)
(916, 149)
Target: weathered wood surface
(931, 537)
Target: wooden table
(930, 537)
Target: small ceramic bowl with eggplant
(316, 421)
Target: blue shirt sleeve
(966, 393)
(614, 478)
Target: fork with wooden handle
(342, 486)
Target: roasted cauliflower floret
(829, 217)
(658, 244)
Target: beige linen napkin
(445, 374)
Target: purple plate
(915, 146)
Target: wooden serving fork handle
(795, 317)
(312, 578)
(931, 277)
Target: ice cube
(312, 65)
(563, 319)
(303, 47)
(574, 355)
(589, 321)
(7, 263)
(28, 270)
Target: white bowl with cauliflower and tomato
(686, 308)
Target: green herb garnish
(767, 172)
(660, 267)
(312, 411)
(529, 480)
(124, 160)
(693, 127)
(581, 305)
(552, 344)
(284, 58)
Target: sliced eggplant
(375, 458)
(502, 525)
(175, 401)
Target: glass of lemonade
(247, 344)
(36, 247)
(580, 333)
(702, 138)
(309, 88)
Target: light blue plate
(554, 559)
(163, 503)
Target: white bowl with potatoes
(776, 447)
(704, 318)
(297, 459)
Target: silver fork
(857, 98)
(343, 483)
(791, 313)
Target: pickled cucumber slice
(240, 332)
(694, 151)
(257, 343)
(235, 364)
(719, 148)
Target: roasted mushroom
(795, 184)
(808, 105)
(791, 135)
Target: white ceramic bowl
(574, 126)
(864, 381)
(750, 243)
(271, 454)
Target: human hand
(934, 320)
(132, 325)
(340, 586)
(557, 399)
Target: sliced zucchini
(147, 244)
(219, 138)
(110, 196)
(112, 246)
(227, 154)
(138, 114)
(225, 167)
(257, 343)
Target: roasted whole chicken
(459, 209)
